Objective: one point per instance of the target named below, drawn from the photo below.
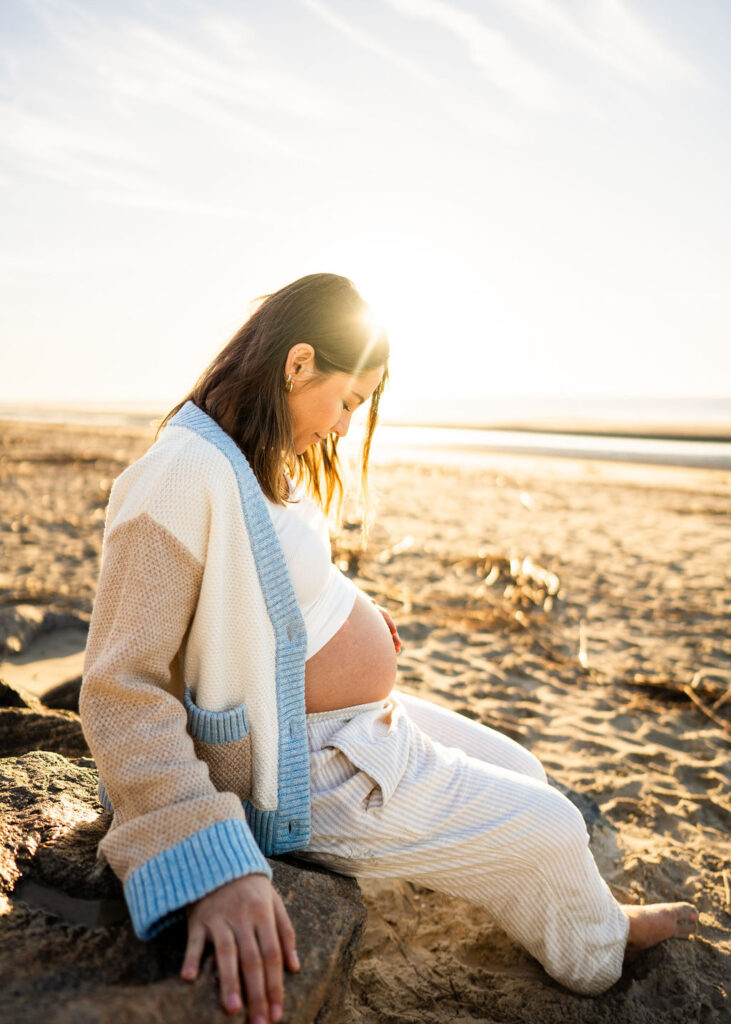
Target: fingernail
(275, 1013)
(296, 961)
(188, 973)
(233, 1002)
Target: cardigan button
(292, 630)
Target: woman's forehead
(369, 378)
(360, 385)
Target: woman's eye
(346, 407)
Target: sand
(581, 607)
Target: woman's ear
(300, 361)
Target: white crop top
(325, 596)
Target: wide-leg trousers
(402, 788)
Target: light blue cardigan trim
(158, 890)
(288, 827)
(215, 726)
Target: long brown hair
(243, 388)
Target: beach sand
(582, 608)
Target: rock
(16, 697)
(20, 624)
(26, 724)
(65, 696)
(68, 954)
(50, 818)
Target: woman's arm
(176, 841)
(175, 837)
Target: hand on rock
(249, 928)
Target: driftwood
(510, 593)
(705, 690)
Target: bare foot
(651, 924)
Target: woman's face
(324, 405)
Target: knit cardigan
(193, 694)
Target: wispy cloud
(462, 107)
(612, 33)
(123, 97)
(368, 41)
(608, 32)
(169, 202)
(173, 71)
(647, 56)
(43, 145)
(499, 60)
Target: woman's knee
(564, 834)
(531, 766)
(518, 759)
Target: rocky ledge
(67, 949)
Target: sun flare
(437, 313)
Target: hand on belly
(355, 666)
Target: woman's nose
(341, 427)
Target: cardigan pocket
(222, 740)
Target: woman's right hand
(391, 625)
(249, 928)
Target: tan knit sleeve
(136, 728)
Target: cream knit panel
(171, 484)
(189, 487)
(230, 654)
(137, 730)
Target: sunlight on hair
(371, 321)
(375, 329)
(437, 312)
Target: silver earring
(289, 383)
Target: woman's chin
(301, 447)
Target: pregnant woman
(239, 698)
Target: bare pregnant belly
(355, 666)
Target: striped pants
(405, 789)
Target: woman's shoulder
(181, 474)
(178, 458)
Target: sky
(533, 194)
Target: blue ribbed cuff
(104, 797)
(158, 890)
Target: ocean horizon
(689, 432)
(486, 412)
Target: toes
(686, 921)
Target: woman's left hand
(391, 625)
